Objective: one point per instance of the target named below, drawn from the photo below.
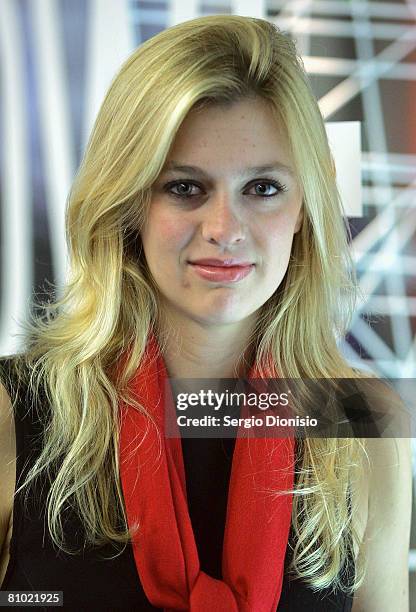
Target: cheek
(278, 236)
(165, 233)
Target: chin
(218, 318)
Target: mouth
(224, 273)
(231, 261)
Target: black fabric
(91, 581)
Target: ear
(299, 221)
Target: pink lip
(219, 273)
(222, 262)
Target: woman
(208, 146)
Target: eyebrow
(174, 166)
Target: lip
(230, 262)
(225, 273)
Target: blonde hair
(110, 302)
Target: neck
(195, 350)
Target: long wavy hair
(110, 303)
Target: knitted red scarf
(257, 522)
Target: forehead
(244, 131)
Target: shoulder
(7, 423)
(387, 503)
(12, 376)
(7, 436)
(385, 545)
(7, 468)
(27, 392)
(390, 479)
(385, 413)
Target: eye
(183, 189)
(265, 185)
(186, 189)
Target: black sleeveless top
(92, 581)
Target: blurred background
(57, 58)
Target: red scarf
(257, 524)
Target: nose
(222, 224)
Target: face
(228, 192)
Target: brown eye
(183, 189)
(265, 186)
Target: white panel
(249, 8)
(382, 10)
(16, 236)
(110, 40)
(345, 142)
(55, 126)
(182, 10)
